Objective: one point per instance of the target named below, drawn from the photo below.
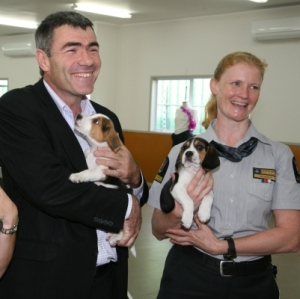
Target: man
(61, 249)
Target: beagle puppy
(99, 131)
(196, 152)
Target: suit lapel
(62, 130)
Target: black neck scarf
(234, 154)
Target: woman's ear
(42, 60)
(214, 86)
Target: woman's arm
(283, 238)
(9, 218)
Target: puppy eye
(95, 121)
(199, 147)
(184, 147)
(105, 128)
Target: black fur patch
(296, 171)
(167, 201)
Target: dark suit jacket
(56, 248)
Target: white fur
(188, 170)
(94, 172)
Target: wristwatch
(231, 253)
(9, 231)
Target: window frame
(7, 87)
(154, 99)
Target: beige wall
(132, 54)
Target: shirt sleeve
(163, 176)
(138, 193)
(287, 188)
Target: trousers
(186, 277)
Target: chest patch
(296, 171)
(265, 175)
(162, 171)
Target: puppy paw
(186, 220)
(113, 239)
(75, 178)
(204, 215)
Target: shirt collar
(86, 106)
(251, 132)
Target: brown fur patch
(103, 130)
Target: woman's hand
(200, 185)
(202, 237)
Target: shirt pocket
(259, 204)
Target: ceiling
(142, 10)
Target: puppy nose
(79, 116)
(189, 154)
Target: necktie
(234, 154)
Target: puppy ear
(112, 138)
(167, 202)
(113, 141)
(211, 160)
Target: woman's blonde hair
(225, 63)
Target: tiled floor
(145, 270)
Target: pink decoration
(192, 122)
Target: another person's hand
(120, 165)
(8, 210)
(8, 218)
(132, 225)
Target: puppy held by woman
(229, 257)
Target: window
(3, 86)
(168, 95)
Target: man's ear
(42, 60)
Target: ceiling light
(259, 1)
(17, 23)
(102, 10)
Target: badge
(296, 171)
(162, 171)
(265, 175)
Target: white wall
(194, 47)
(132, 54)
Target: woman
(229, 257)
(8, 227)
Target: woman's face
(237, 92)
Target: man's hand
(132, 225)
(120, 165)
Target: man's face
(74, 65)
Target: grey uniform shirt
(246, 192)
